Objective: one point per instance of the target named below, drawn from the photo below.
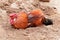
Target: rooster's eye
(14, 19)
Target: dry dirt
(51, 32)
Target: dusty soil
(51, 32)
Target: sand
(50, 32)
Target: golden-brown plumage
(37, 16)
(21, 21)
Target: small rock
(14, 5)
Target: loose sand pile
(51, 32)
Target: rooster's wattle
(13, 16)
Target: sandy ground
(51, 32)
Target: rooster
(34, 18)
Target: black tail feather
(47, 22)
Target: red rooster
(23, 20)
